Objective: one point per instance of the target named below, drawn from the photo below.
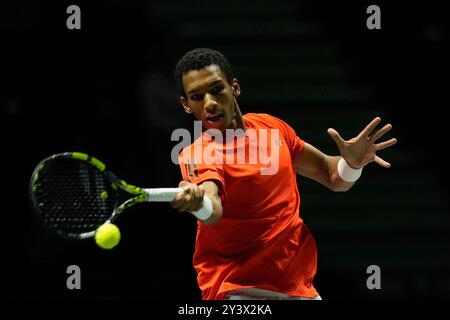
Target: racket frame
(138, 194)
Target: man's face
(210, 97)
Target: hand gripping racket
(73, 194)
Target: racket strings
(73, 196)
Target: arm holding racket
(202, 201)
(203, 213)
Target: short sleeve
(197, 172)
(294, 142)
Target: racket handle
(169, 194)
(161, 194)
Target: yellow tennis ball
(107, 236)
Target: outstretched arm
(314, 164)
(357, 153)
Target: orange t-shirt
(261, 240)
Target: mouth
(214, 117)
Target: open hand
(361, 150)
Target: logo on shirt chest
(278, 143)
(259, 147)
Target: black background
(87, 90)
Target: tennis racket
(73, 194)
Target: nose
(210, 103)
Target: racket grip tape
(161, 194)
(169, 194)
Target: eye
(196, 97)
(217, 89)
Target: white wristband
(346, 172)
(205, 211)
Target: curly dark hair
(198, 59)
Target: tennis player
(255, 244)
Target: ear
(236, 87)
(185, 105)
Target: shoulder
(262, 119)
(189, 151)
(266, 120)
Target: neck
(238, 121)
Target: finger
(381, 162)
(185, 203)
(188, 189)
(185, 190)
(183, 199)
(179, 197)
(367, 130)
(377, 135)
(190, 206)
(182, 184)
(184, 207)
(198, 194)
(175, 204)
(385, 144)
(187, 198)
(335, 136)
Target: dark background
(108, 90)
